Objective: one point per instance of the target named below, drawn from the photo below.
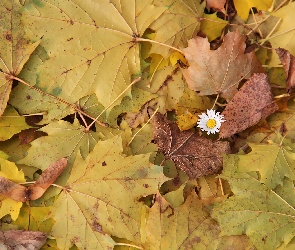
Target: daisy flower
(210, 122)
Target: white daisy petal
(211, 121)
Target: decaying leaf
(48, 176)
(15, 50)
(288, 61)
(219, 71)
(251, 104)
(195, 155)
(21, 240)
(19, 193)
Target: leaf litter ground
(107, 85)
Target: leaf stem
(58, 99)
(139, 39)
(129, 245)
(215, 101)
(143, 125)
(95, 120)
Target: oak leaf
(195, 155)
(288, 61)
(251, 104)
(219, 71)
(15, 49)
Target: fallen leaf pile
(103, 123)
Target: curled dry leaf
(288, 62)
(251, 104)
(20, 239)
(19, 193)
(197, 156)
(219, 71)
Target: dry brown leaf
(17, 192)
(14, 191)
(22, 240)
(251, 104)
(219, 71)
(288, 62)
(197, 156)
(48, 176)
(216, 5)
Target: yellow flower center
(211, 123)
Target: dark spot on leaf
(69, 39)
(146, 185)
(97, 227)
(8, 37)
(104, 163)
(56, 91)
(28, 97)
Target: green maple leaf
(266, 216)
(101, 197)
(274, 161)
(91, 45)
(15, 49)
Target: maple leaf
(101, 197)
(273, 161)
(79, 62)
(282, 37)
(243, 7)
(11, 123)
(186, 227)
(266, 216)
(195, 155)
(15, 49)
(212, 29)
(288, 62)
(251, 104)
(20, 239)
(64, 140)
(178, 24)
(219, 71)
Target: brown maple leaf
(219, 71)
(251, 104)
(288, 62)
(197, 156)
